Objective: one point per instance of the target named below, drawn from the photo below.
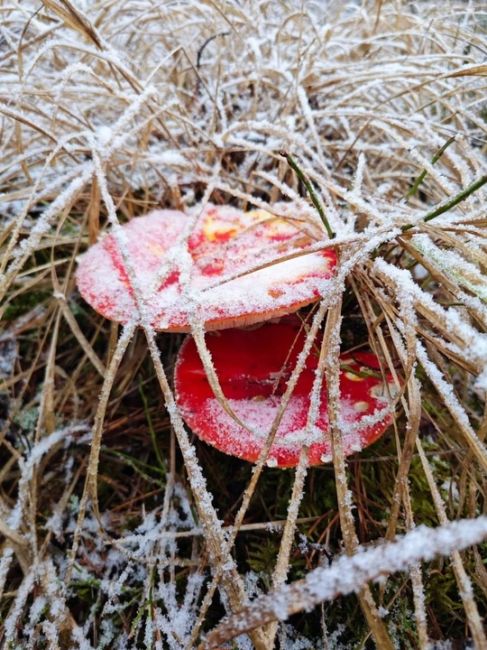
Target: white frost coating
(170, 157)
(82, 642)
(86, 172)
(36, 609)
(50, 629)
(179, 618)
(8, 354)
(27, 467)
(359, 175)
(348, 574)
(293, 431)
(447, 392)
(475, 341)
(211, 280)
(5, 562)
(444, 388)
(16, 610)
(454, 265)
(247, 90)
(481, 381)
(403, 279)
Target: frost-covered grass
(118, 528)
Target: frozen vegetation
(368, 121)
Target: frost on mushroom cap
(198, 279)
(253, 367)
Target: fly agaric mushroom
(253, 367)
(223, 290)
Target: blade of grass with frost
(453, 265)
(445, 207)
(310, 189)
(414, 188)
(349, 573)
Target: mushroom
(243, 268)
(253, 366)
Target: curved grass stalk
(90, 491)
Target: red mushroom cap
(224, 243)
(253, 367)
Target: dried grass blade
(215, 538)
(80, 337)
(348, 573)
(463, 581)
(282, 563)
(330, 361)
(90, 490)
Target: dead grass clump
(118, 529)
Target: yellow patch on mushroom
(274, 225)
(216, 230)
(361, 407)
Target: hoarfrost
(153, 124)
(348, 574)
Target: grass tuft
(118, 528)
